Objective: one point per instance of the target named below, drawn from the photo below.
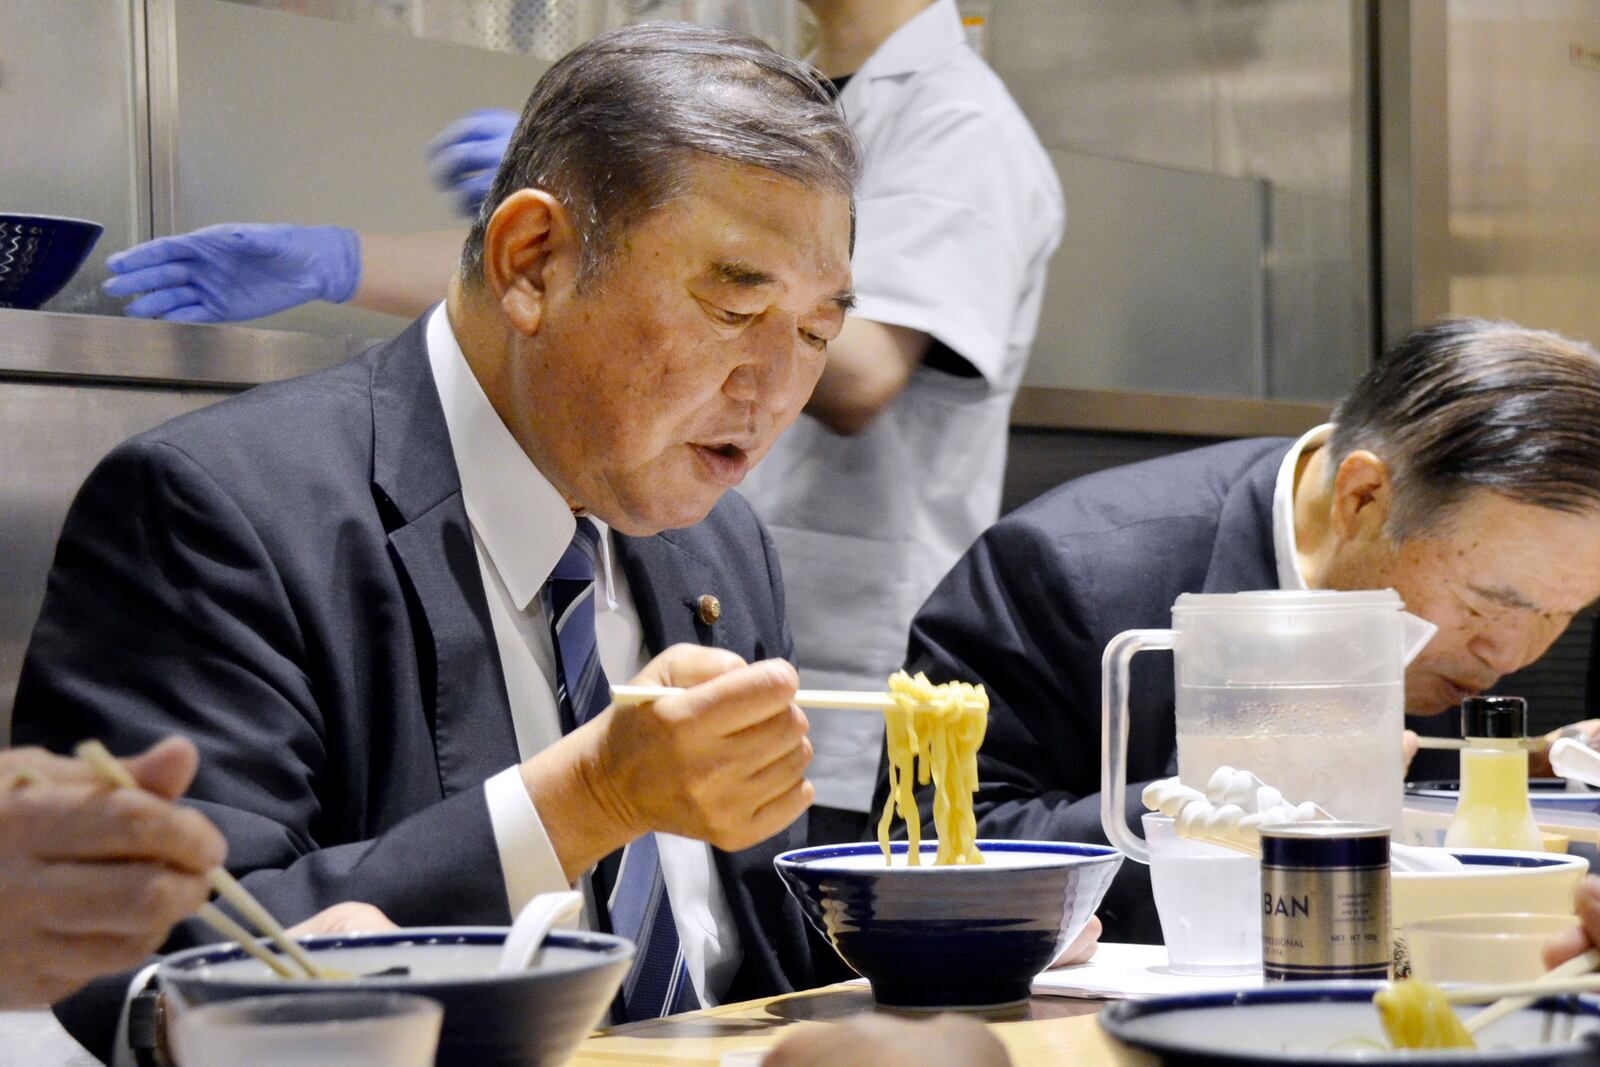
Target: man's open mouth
(725, 461)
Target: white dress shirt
(520, 527)
(1283, 543)
(958, 212)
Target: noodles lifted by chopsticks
(1416, 1015)
(942, 726)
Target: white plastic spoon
(537, 918)
(1575, 760)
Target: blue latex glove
(464, 158)
(236, 271)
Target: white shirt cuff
(528, 861)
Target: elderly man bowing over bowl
(385, 599)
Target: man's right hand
(722, 762)
(236, 271)
(91, 878)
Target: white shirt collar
(912, 47)
(1283, 544)
(523, 522)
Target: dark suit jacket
(288, 578)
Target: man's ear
(527, 247)
(1362, 497)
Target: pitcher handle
(1114, 736)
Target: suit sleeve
(165, 613)
(1016, 615)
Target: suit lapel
(419, 491)
(666, 581)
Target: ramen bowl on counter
(968, 936)
(531, 1018)
(1488, 882)
(1325, 1024)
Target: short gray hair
(611, 127)
(1469, 404)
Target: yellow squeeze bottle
(1493, 811)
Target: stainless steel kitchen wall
(548, 29)
(266, 116)
(72, 124)
(1199, 109)
(1523, 91)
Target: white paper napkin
(1127, 972)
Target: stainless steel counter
(105, 349)
(1110, 411)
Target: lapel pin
(709, 608)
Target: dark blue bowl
(39, 254)
(1299, 1023)
(534, 1018)
(942, 938)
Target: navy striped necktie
(637, 905)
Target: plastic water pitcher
(1304, 688)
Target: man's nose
(1506, 647)
(769, 377)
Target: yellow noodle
(933, 733)
(1416, 1015)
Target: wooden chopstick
(223, 923)
(1532, 744)
(824, 699)
(227, 886)
(1570, 977)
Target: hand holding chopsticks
(94, 754)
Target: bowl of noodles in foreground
(950, 937)
(1324, 1024)
(530, 1018)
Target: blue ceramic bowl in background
(1326, 1024)
(39, 254)
(941, 938)
(534, 1018)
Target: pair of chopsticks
(104, 764)
(825, 699)
(1510, 997)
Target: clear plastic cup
(1481, 949)
(1208, 899)
(311, 1029)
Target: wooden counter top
(1046, 1031)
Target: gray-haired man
(378, 597)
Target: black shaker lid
(1494, 717)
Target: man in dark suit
(384, 600)
(1463, 471)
